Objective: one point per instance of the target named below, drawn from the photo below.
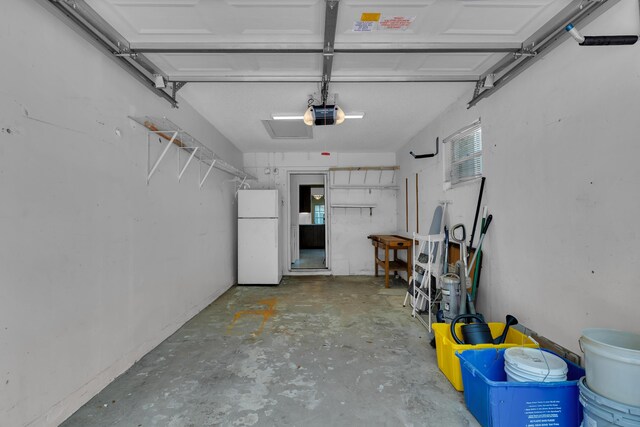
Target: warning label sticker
(364, 26)
(543, 413)
(395, 23)
(369, 16)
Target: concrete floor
(314, 351)
(310, 258)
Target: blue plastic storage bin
(498, 403)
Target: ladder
(427, 263)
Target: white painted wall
(96, 267)
(350, 251)
(560, 157)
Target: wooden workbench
(388, 242)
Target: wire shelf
(168, 130)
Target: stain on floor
(264, 314)
(313, 351)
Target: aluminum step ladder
(427, 263)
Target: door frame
(327, 223)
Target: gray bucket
(612, 363)
(450, 296)
(602, 412)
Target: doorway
(308, 221)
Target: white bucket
(522, 364)
(612, 364)
(599, 411)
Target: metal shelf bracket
(151, 170)
(191, 156)
(203, 179)
(169, 131)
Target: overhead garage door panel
(229, 22)
(412, 64)
(445, 21)
(176, 65)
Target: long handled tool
(475, 219)
(483, 233)
(476, 276)
(463, 266)
(478, 264)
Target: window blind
(465, 153)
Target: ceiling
(393, 113)
(400, 62)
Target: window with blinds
(465, 154)
(318, 214)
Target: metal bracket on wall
(194, 150)
(478, 88)
(173, 140)
(152, 169)
(203, 179)
(176, 86)
(426, 156)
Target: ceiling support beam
(443, 49)
(409, 50)
(540, 43)
(288, 79)
(80, 17)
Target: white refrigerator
(259, 260)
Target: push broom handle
(475, 220)
(482, 234)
